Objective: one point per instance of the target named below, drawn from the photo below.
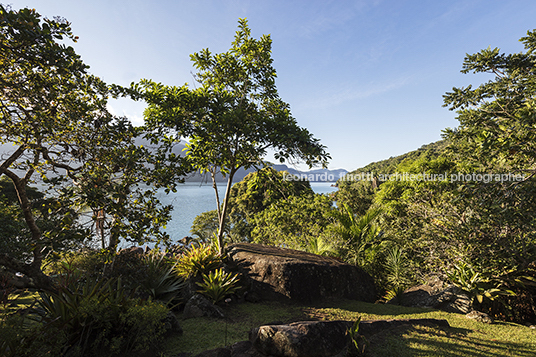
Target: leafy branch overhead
(497, 118)
(57, 130)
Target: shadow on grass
(464, 338)
(348, 309)
(412, 341)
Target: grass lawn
(464, 338)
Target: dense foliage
(58, 132)
(463, 208)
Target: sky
(366, 77)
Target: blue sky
(366, 77)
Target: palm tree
(361, 238)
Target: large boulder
(311, 338)
(438, 295)
(307, 338)
(291, 275)
(321, 338)
(199, 306)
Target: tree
(206, 225)
(256, 192)
(49, 213)
(53, 115)
(496, 136)
(360, 237)
(424, 216)
(357, 195)
(497, 118)
(292, 222)
(234, 116)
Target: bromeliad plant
(396, 273)
(218, 284)
(475, 284)
(161, 282)
(358, 342)
(197, 261)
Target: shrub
(396, 272)
(478, 286)
(19, 338)
(218, 284)
(197, 261)
(161, 282)
(128, 264)
(99, 317)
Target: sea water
(193, 198)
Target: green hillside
(389, 165)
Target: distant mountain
(318, 175)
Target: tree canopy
(234, 116)
(55, 129)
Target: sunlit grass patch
(464, 338)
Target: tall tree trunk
(224, 209)
(33, 269)
(99, 225)
(215, 187)
(114, 237)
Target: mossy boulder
(290, 275)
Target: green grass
(464, 338)
(205, 333)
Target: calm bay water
(192, 199)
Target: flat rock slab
(310, 338)
(285, 274)
(307, 338)
(321, 338)
(438, 295)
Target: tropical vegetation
(77, 181)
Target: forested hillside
(463, 208)
(388, 166)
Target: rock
(458, 303)
(438, 295)
(290, 275)
(172, 325)
(321, 338)
(198, 306)
(307, 338)
(311, 338)
(480, 317)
